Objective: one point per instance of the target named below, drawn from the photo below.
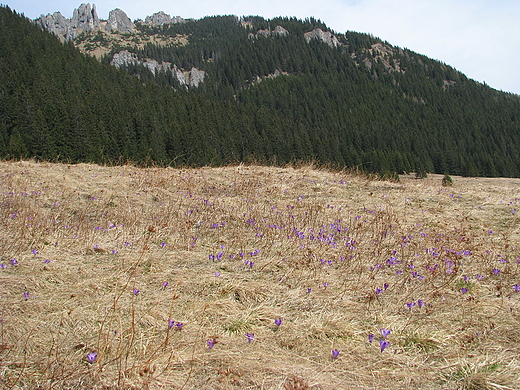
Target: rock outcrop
(276, 73)
(160, 18)
(119, 21)
(191, 78)
(84, 19)
(56, 24)
(278, 30)
(325, 36)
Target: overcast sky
(480, 38)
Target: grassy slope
(315, 237)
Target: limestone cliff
(325, 36)
(160, 18)
(85, 18)
(119, 21)
(279, 30)
(189, 78)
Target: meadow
(254, 277)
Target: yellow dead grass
(101, 42)
(335, 256)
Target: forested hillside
(271, 97)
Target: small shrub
(421, 174)
(389, 176)
(447, 181)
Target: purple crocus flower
(211, 343)
(385, 332)
(171, 323)
(420, 303)
(165, 284)
(464, 290)
(370, 337)
(496, 271)
(26, 295)
(378, 290)
(409, 305)
(250, 337)
(516, 287)
(383, 344)
(136, 291)
(14, 262)
(335, 354)
(278, 322)
(92, 356)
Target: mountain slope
(273, 90)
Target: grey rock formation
(122, 58)
(194, 77)
(160, 18)
(264, 33)
(85, 18)
(279, 30)
(191, 78)
(324, 36)
(56, 24)
(119, 21)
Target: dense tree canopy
(363, 103)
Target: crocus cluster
(383, 343)
(177, 325)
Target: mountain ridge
(360, 102)
(85, 19)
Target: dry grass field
(248, 277)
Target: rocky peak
(325, 36)
(160, 18)
(85, 18)
(118, 20)
(56, 24)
